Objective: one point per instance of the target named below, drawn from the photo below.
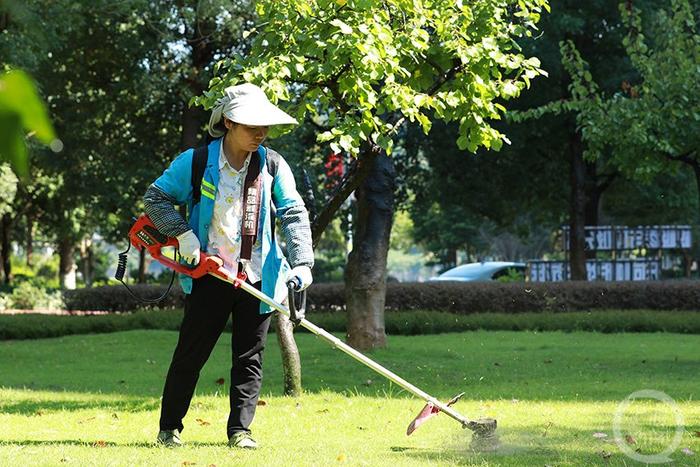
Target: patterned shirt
(225, 232)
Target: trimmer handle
(144, 234)
(296, 301)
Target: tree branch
(445, 77)
(355, 175)
(686, 158)
(605, 184)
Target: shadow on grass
(41, 406)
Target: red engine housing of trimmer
(144, 234)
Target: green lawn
(94, 399)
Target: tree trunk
(66, 264)
(5, 248)
(291, 363)
(577, 221)
(594, 190)
(365, 275)
(202, 54)
(86, 257)
(29, 241)
(592, 194)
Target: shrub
(455, 297)
(518, 297)
(34, 326)
(28, 296)
(118, 298)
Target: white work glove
(189, 247)
(301, 277)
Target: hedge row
(454, 297)
(34, 326)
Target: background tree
(653, 127)
(533, 167)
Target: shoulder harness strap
(272, 162)
(199, 162)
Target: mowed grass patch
(94, 399)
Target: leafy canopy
(360, 68)
(657, 122)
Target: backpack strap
(272, 161)
(199, 162)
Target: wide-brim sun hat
(246, 104)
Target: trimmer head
(484, 437)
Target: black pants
(207, 310)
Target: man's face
(248, 137)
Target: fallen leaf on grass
(630, 440)
(687, 452)
(220, 381)
(262, 403)
(202, 422)
(99, 444)
(599, 435)
(697, 434)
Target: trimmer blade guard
(428, 412)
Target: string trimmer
(145, 235)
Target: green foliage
(27, 296)
(43, 273)
(445, 229)
(361, 69)
(657, 122)
(512, 275)
(21, 111)
(8, 188)
(402, 232)
(330, 254)
(646, 127)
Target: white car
(486, 271)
